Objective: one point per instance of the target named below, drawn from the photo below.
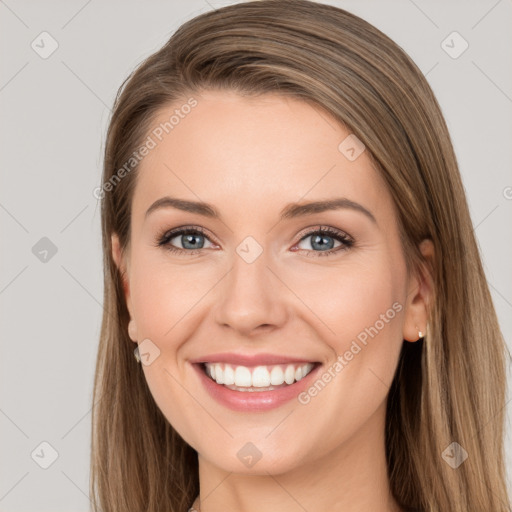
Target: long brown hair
(449, 387)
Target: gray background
(54, 114)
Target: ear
(419, 295)
(121, 264)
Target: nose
(251, 298)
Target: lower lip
(254, 401)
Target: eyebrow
(290, 211)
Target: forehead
(254, 152)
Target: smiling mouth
(257, 378)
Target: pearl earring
(136, 354)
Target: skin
(249, 157)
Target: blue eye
(192, 241)
(322, 238)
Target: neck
(351, 478)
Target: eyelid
(311, 230)
(169, 233)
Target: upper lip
(249, 359)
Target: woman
(288, 247)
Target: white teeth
(276, 376)
(229, 375)
(289, 374)
(219, 374)
(257, 377)
(242, 377)
(260, 377)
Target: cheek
(166, 302)
(350, 299)
(168, 305)
(358, 310)
(164, 295)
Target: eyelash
(163, 239)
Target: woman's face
(256, 282)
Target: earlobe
(132, 330)
(420, 296)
